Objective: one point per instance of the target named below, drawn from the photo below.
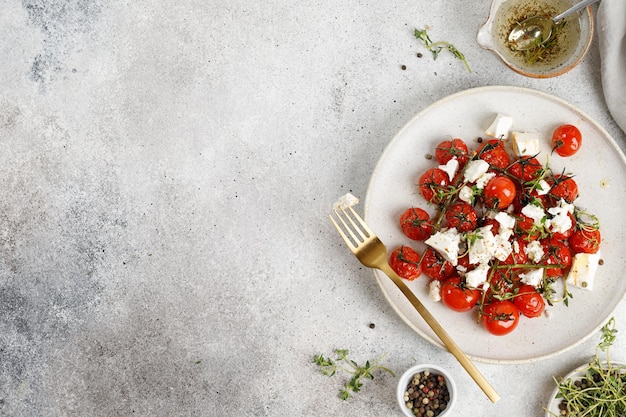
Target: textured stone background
(166, 169)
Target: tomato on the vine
(404, 260)
(433, 185)
(563, 187)
(557, 255)
(462, 216)
(449, 149)
(493, 151)
(416, 224)
(435, 266)
(500, 317)
(585, 239)
(566, 140)
(526, 168)
(457, 296)
(499, 192)
(528, 301)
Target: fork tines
(355, 227)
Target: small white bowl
(406, 377)
(575, 39)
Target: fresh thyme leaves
(436, 47)
(602, 389)
(330, 367)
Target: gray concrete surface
(166, 169)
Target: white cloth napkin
(611, 25)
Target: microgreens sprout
(602, 389)
(436, 47)
(330, 367)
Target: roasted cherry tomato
(435, 266)
(585, 239)
(416, 224)
(405, 262)
(499, 192)
(493, 151)
(566, 140)
(563, 187)
(500, 317)
(556, 254)
(462, 216)
(457, 296)
(529, 302)
(449, 149)
(526, 168)
(434, 185)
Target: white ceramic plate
(578, 373)
(600, 171)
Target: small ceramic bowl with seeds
(426, 391)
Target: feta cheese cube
(525, 143)
(477, 276)
(450, 168)
(532, 277)
(583, 270)
(475, 169)
(466, 194)
(534, 212)
(543, 188)
(481, 245)
(500, 126)
(345, 201)
(447, 244)
(506, 222)
(484, 179)
(434, 292)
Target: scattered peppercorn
(403, 67)
(372, 325)
(427, 394)
(419, 55)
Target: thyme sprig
(602, 390)
(436, 47)
(330, 367)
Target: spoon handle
(573, 9)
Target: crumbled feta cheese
(583, 270)
(543, 187)
(532, 277)
(534, 250)
(446, 243)
(500, 126)
(561, 221)
(450, 168)
(506, 222)
(477, 276)
(345, 201)
(525, 143)
(481, 245)
(534, 212)
(434, 292)
(502, 247)
(484, 179)
(466, 194)
(475, 169)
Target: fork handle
(442, 334)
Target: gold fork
(371, 252)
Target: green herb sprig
(436, 47)
(330, 367)
(602, 391)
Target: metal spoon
(536, 30)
